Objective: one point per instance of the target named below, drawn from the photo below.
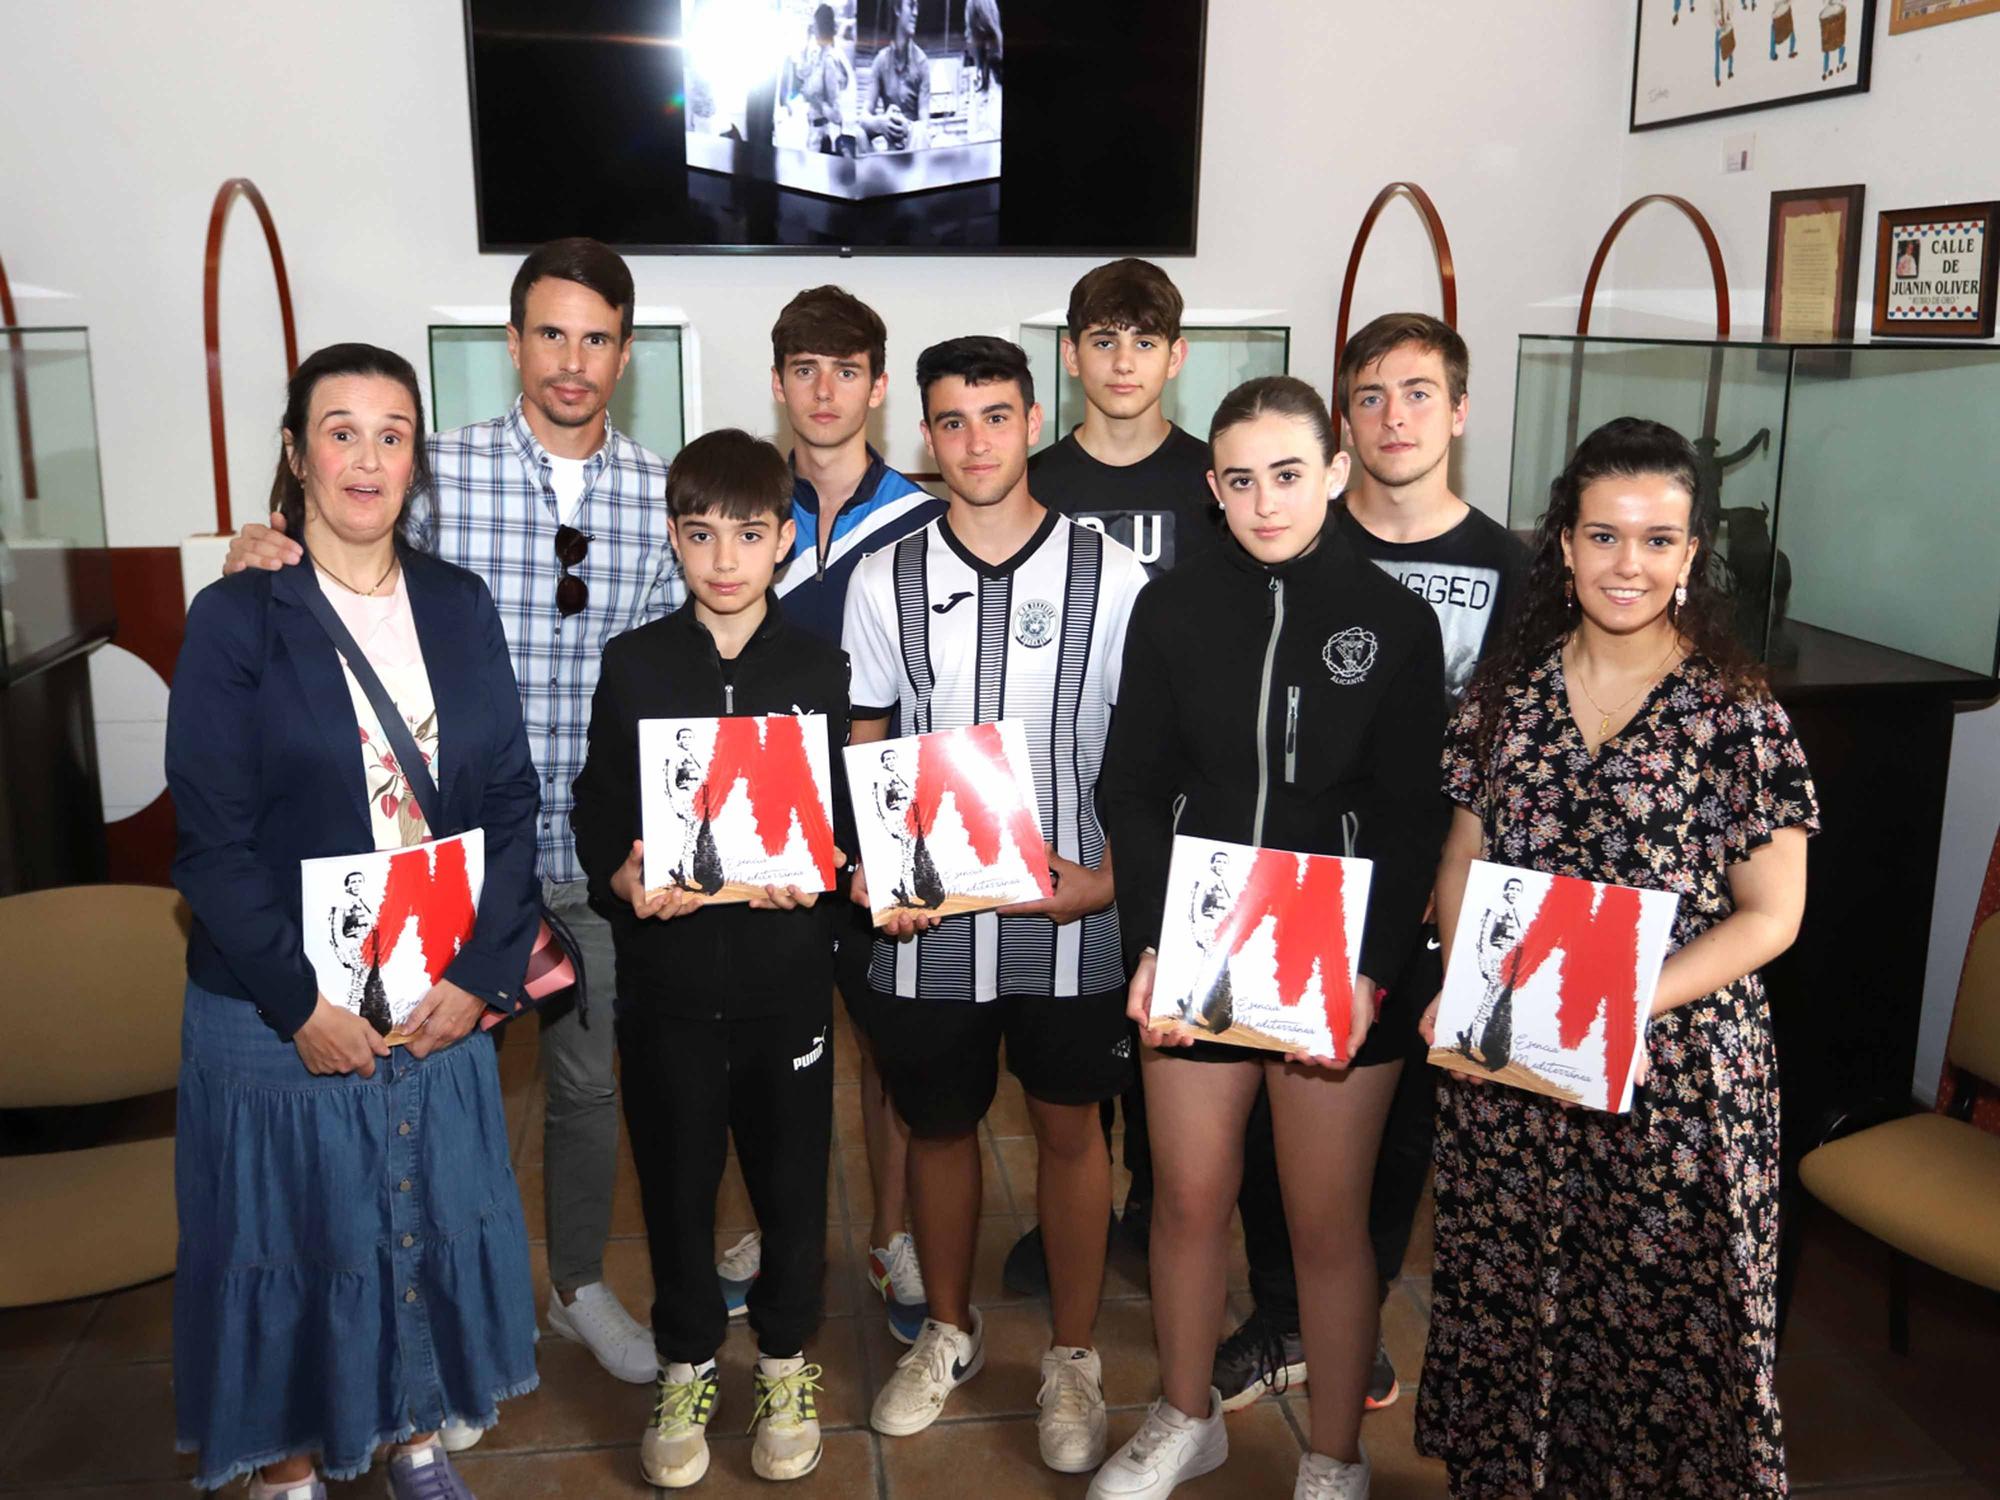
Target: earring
(1569, 592)
(1680, 597)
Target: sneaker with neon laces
(941, 1360)
(895, 1274)
(310, 1488)
(458, 1436)
(1257, 1360)
(786, 1422)
(1168, 1447)
(424, 1474)
(739, 1266)
(600, 1323)
(1071, 1424)
(1382, 1385)
(1323, 1478)
(674, 1452)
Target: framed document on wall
(1812, 269)
(1696, 59)
(1934, 272)
(1908, 15)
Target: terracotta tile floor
(86, 1402)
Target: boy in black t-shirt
(1126, 470)
(1129, 472)
(1401, 394)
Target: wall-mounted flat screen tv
(928, 126)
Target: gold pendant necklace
(1604, 721)
(364, 593)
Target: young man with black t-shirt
(1401, 393)
(1126, 470)
(1129, 472)
(1001, 608)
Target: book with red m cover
(948, 821)
(1259, 947)
(1550, 983)
(729, 806)
(381, 927)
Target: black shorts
(1393, 1037)
(940, 1059)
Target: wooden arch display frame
(30, 486)
(1440, 247)
(1708, 242)
(211, 323)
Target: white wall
(1923, 134)
(124, 115)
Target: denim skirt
(353, 1267)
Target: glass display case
(55, 574)
(1224, 350)
(1856, 484)
(473, 380)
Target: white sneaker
(1323, 1478)
(458, 1436)
(894, 1273)
(597, 1321)
(740, 1265)
(674, 1452)
(1071, 1426)
(787, 1421)
(942, 1359)
(1167, 1448)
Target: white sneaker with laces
(458, 1436)
(1168, 1447)
(674, 1452)
(787, 1445)
(597, 1321)
(894, 1273)
(1323, 1478)
(1071, 1425)
(740, 1265)
(942, 1359)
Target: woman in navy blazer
(353, 1265)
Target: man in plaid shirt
(565, 518)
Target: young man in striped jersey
(1001, 609)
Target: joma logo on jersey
(1349, 654)
(1035, 622)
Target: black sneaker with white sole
(1257, 1360)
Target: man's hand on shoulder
(265, 547)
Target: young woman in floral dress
(1603, 1317)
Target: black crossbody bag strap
(423, 786)
(410, 759)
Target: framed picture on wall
(1696, 59)
(1934, 272)
(1910, 15)
(1813, 265)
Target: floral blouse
(1700, 778)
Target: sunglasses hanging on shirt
(572, 593)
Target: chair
(1928, 1185)
(92, 1015)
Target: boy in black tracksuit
(724, 1015)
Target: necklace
(364, 593)
(1604, 719)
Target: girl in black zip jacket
(1279, 691)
